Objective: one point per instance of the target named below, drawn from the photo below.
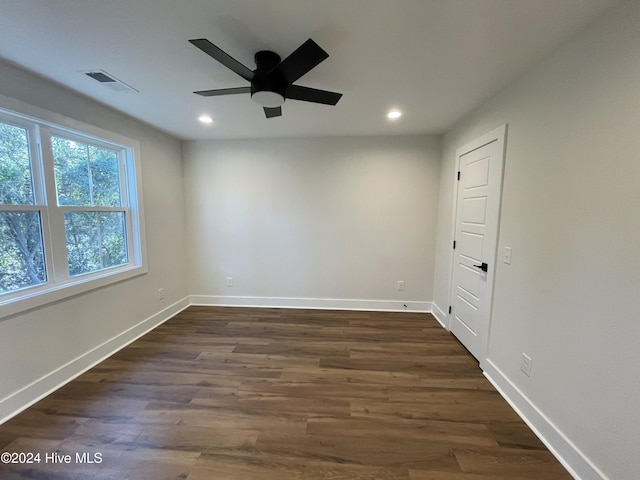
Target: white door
(479, 192)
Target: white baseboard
(440, 316)
(32, 393)
(576, 463)
(312, 303)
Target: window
(88, 191)
(22, 261)
(70, 217)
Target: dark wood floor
(275, 394)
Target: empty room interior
(320, 240)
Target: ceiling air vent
(109, 80)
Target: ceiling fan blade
(306, 94)
(224, 58)
(223, 91)
(272, 112)
(303, 59)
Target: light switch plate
(507, 255)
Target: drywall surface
(48, 344)
(320, 218)
(571, 203)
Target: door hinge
(449, 309)
(458, 175)
(454, 244)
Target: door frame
(497, 135)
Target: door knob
(484, 267)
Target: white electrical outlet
(401, 285)
(160, 293)
(229, 281)
(525, 366)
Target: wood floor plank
(453, 433)
(510, 461)
(377, 451)
(436, 475)
(268, 393)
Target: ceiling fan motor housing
(268, 90)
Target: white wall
(45, 346)
(322, 219)
(571, 213)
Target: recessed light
(205, 119)
(394, 114)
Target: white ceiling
(435, 59)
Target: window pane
(22, 261)
(85, 175)
(95, 240)
(105, 177)
(16, 186)
(72, 172)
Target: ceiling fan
(272, 80)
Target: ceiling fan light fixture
(206, 119)
(267, 98)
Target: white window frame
(41, 125)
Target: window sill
(41, 296)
